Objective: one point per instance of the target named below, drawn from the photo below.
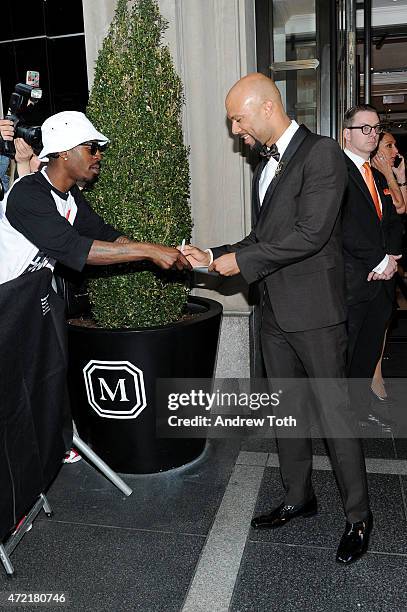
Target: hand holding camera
(24, 152)
(22, 96)
(7, 129)
(24, 156)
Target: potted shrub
(142, 331)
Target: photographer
(47, 219)
(25, 158)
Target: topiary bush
(143, 189)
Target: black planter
(107, 394)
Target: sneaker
(71, 456)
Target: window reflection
(299, 92)
(293, 28)
(294, 38)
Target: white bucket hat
(65, 131)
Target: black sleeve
(31, 211)
(233, 248)
(88, 223)
(380, 179)
(394, 225)
(394, 240)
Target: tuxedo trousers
(315, 355)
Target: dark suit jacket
(366, 239)
(295, 246)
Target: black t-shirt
(41, 225)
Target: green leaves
(143, 189)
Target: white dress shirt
(359, 161)
(270, 168)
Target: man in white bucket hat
(46, 219)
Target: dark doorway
(47, 36)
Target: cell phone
(397, 161)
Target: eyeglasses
(94, 147)
(366, 129)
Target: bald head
(255, 109)
(255, 86)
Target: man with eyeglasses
(372, 244)
(46, 219)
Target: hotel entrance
(318, 52)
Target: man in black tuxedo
(372, 233)
(295, 253)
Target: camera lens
(31, 135)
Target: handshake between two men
(70, 232)
(226, 265)
(120, 248)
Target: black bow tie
(270, 152)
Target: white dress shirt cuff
(382, 265)
(211, 255)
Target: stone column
(97, 17)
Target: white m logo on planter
(112, 395)
(115, 389)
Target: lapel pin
(279, 169)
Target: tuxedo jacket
(295, 246)
(366, 238)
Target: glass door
(309, 50)
(348, 67)
(294, 65)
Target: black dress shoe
(284, 513)
(354, 541)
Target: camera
(22, 96)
